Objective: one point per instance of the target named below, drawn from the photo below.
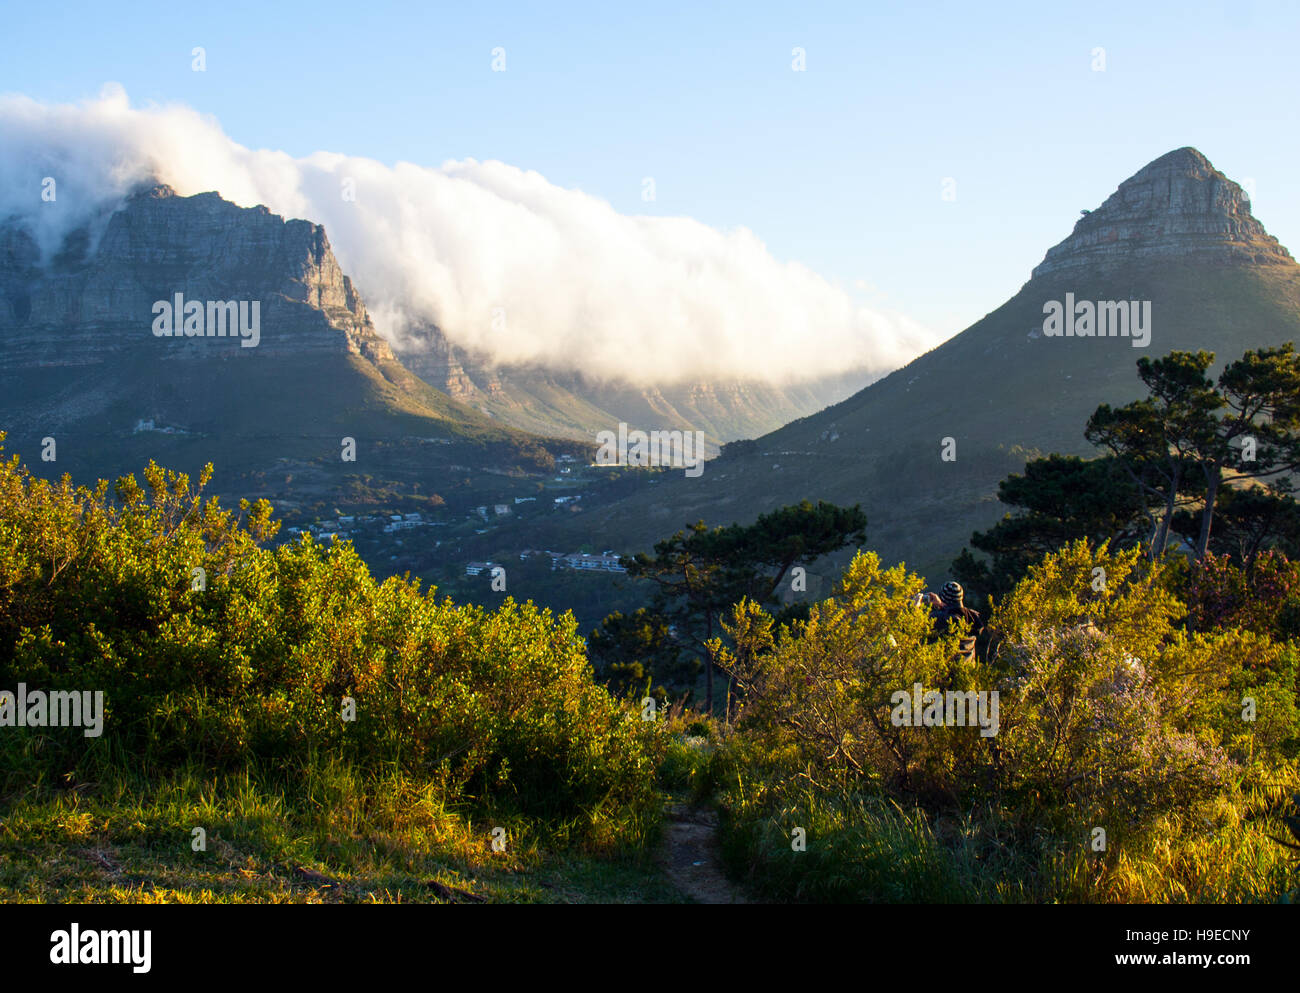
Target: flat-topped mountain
(106, 277)
(135, 340)
(95, 297)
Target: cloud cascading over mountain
(503, 261)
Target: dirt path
(690, 856)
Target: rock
(1177, 207)
(454, 894)
(95, 296)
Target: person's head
(952, 594)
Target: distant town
(606, 561)
(391, 541)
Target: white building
(591, 563)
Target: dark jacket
(945, 615)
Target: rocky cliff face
(92, 300)
(82, 369)
(1177, 207)
(567, 404)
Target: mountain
(568, 404)
(82, 360)
(1178, 235)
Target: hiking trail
(691, 858)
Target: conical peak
(1186, 160)
(1177, 207)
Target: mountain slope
(1178, 234)
(80, 361)
(569, 404)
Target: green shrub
(1111, 715)
(97, 594)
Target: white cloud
(580, 286)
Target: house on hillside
(592, 563)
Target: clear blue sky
(838, 167)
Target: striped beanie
(951, 594)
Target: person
(949, 606)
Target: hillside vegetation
(1179, 747)
(280, 727)
(284, 694)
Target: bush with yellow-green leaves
(214, 650)
(1109, 711)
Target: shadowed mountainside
(1178, 234)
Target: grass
(871, 850)
(339, 838)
